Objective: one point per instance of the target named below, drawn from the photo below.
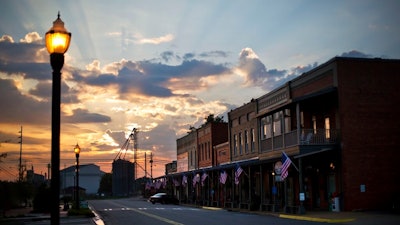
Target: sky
(162, 67)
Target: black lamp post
(57, 43)
(77, 150)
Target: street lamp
(57, 43)
(77, 150)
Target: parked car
(163, 198)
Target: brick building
(209, 135)
(337, 123)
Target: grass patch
(81, 212)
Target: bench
(230, 204)
(270, 207)
(291, 209)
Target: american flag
(238, 171)
(203, 178)
(223, 177)
(196, 179)
(176, 182)
(158, 184)
(285, 165)
(184, 180)
(148, 185)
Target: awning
(313, 152)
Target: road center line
(157, 217)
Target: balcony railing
(307, 137)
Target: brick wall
(368, 109)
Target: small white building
(89, 178)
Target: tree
(211, 119)
(105, 184)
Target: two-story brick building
(337, 123)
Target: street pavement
(23, 216)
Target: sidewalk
(348, 218)
(353, 218)
(25, 216)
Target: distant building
(33, 178)
(89, 178)
(187, 152)
(209, 135)
(170, 168)
(223, 153)
(123, 176)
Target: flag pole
(295, 167)
(283, 152)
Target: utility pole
(145, 165)
(20, 170)
(151, 166)
(135, 148)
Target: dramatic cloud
(19, 108)
(256, 73)
(152, 79)
(30, 49)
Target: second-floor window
(287, 121)
(327, 128)
(240, 144)
(314, 124)
(246, 141)
(266, 129)
(209, 150)
(235, 145)
(253, 140)
(277, 124)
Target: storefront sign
(302, 197)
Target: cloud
(169, 55)
(7, 39)
(151, 78)
(84, 116)
(302, 69)
(214, 54)
(355, 54)
(32, 37)
(155, 40)
(19, 108)
(30, 49)
(255, 72)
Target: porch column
(298, 122)
(250, 189)
(302, 194)
(261, 188)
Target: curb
(315, 219)
(293, 217)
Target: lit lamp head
(77, 150)
(57, 38)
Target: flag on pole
(196, 179)
(223, 177)
(203, 178)
(285, 165)
(176, 182)
(238, 171)
(184, 180)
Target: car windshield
(159, 194)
